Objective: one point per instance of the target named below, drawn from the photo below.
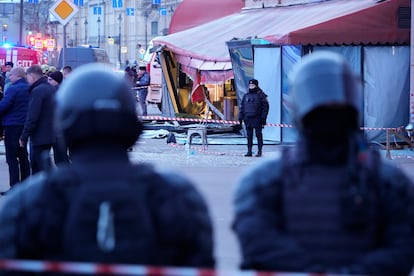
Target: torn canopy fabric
(334, 22)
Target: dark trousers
(40, 157)
(16, 156)
(142, 97)
(60, 151)
(259, 137)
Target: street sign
(63, 10)
(163, 11)
(130, 11)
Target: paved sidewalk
(157, 151)
(230, 155)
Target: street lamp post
(119, 40)
(5, 26)
(76, 33)
(99, 31)
(146, 28)
(86, 30)
(21, 23)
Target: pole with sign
(63, 10)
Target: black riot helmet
(322, 80)
(94, 105)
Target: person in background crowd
(66, 70)
(55, 79)
(51, 70)
(45, 69)
(1, 84)
(60, 150)
(253, 112)
(6, 75)
(142, 83)
(1, 97)
(330, 204)
(48, 69)
(129, 76)
(13, 110)
(101, 207)
(39, 124)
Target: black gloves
(240, 121)
(263, 123)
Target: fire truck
(20, 56)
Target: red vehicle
(20, 56)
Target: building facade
(124, 28)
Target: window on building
(154, 28)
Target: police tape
(87, 268)
(229, 122)
(180, 119)
(139, 87)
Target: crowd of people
(27, 112)
(328, 205)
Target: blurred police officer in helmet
(329, 204)
(101, 207)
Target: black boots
(249, 152)
(258, 154)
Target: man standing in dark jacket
(253, 111)
(143, 81)
(39, 126)
(13, 110)
(60, 150)
(330, 204)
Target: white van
(154, 69)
